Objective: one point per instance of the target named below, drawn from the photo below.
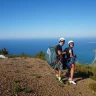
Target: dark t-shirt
(58, 47)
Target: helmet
(61, 39)
(70, 42)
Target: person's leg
(56, 69)
(69, 70)
(59, 76)
(60, 68)
(72, 74)
(57, 73)
(72, 71)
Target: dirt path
(34, 77)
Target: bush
(4, 51)
(86, 70)
(40, 55)
(17, 89)
(12, 56)
(27, 91)
(92, 86)
(23, 55)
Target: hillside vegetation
(83, 70)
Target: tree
(4, 51)
(40, 55)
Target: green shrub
(17, 81)
(40, 55)
(12, 56)
(36, 75)
(17, 89)
(86, 70)
(27, 91)
(4, 51)
(92, 86)
(23, 55)
(17, 71)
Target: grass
(61, 84)
(14, 59)
(17, 71)
(12, 56)
(36, 75)
(17, 89)
(27, 90)
(17, 81)
(92, 86)
(29, 66)
(86, 71)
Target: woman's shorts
(59, 66)
(70, 65)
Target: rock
(3, 57)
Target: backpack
(67, 56)
(51, 56)
(67, 52)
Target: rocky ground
(34, 77)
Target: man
(59, 64)
(70, 61)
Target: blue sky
(47, 18)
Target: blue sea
(82, 48)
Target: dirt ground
(34, 77)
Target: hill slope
(34, 77)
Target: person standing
(59, 64)
(70, 61)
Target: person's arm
(71, 56)
(63, 53)
(59, 52)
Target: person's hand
(63, 52)
(74, 58)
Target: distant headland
(92, 42)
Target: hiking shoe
(60, 80)
(72, 82)
(69, 79)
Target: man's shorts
(59, 66)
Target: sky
(47, 18)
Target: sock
(56, 75)
(59, 78)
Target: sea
(83, 47)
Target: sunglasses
(62, 41)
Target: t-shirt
(58, 47)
